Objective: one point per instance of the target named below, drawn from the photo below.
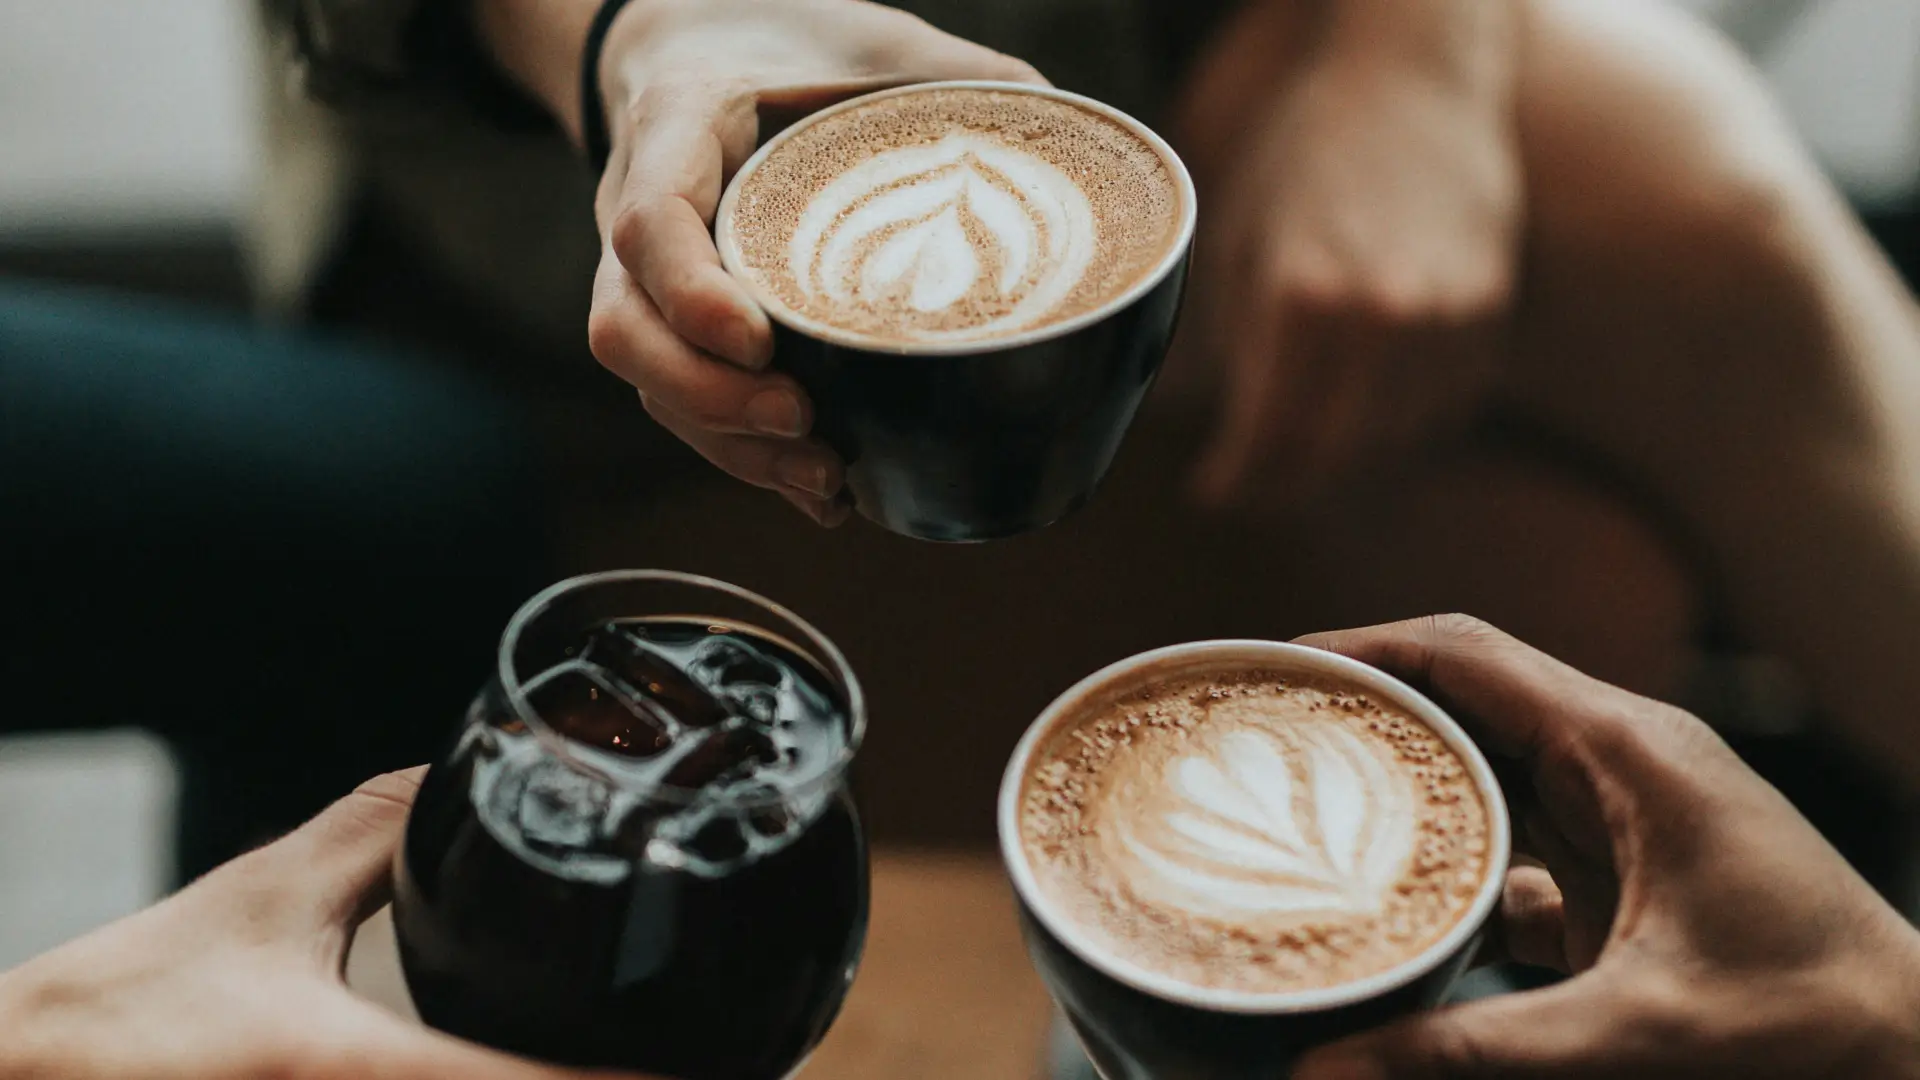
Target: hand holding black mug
(975, 283)
(1228, 853)
(1710, 931)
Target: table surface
(945, 991)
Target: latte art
(953, 214)
(921, 231)
(1257, 823)
(1243, 830)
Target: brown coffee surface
(1250, 830)
(955, 215)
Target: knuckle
(1663, 1015)
(1395, 300)
(607, 337)
(1014, 69)
(629, 231)
(1453, 1050)
(707, 411)
(1457, 628)
(1312, 285)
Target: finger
(921, 52)
(1532, 928)
(827, 513)
(332, 872)
(1339, 431)
(1589, 885)
(628, 336)
(805, 467)
(1560, 1032)
(681, 151)
(1249, 327)
(935, 56)
(1291, 451)
(1521, 700)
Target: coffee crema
(1253, 831)
(956, 215)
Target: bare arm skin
(1359, 163)
(1701, 307)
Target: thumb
(336, 869)
(1559, 1032)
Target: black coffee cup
(1135, 1024)
(981, 440)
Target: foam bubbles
(1239, 829)
(1259, 822)
(951, 215)
(920, 230)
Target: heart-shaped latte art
(963, 237)
(1252, 822)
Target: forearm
(1701, 309)
(1465, 44)
(538, 43)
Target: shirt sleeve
(387, 55)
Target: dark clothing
(289, 557)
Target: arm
(538, 43)
(1703, 310)
(1360, 158)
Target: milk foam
(954, 214)
(1242, 830)
(930, 227)
(1254, 824)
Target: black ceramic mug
(980, 440)
(1135, 1024)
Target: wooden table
(945, 991)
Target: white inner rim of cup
(735, 265)
(1293, 658)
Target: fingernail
(807, 475)
(776, 412)
(836, 513)
(752, 344)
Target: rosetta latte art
(1253, 825)
(961, 238)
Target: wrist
(1468, 46)
(538, 43)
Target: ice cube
(730, 662)
(771, 820)
(761, 704)
(653, 678)
(718, 841)
(576, 705)
(730, 754)
(559, 810)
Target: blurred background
(245, 417)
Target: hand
(1710, 930)
(685, 81)
(1359, 251)
(239, 975)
